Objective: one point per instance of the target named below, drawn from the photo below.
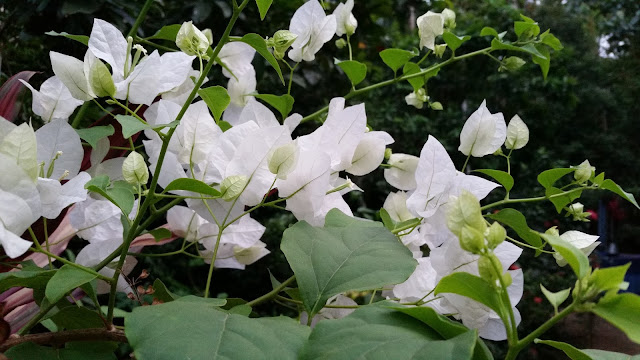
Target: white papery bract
(60, 149)
(346, 23)
(235, 57)
(402, 173)
(483, 133)
(430, 25)
(584, 242)
(517, 134)
(53, 101)
(369, 153)
(15, 218)
(96, 220)
(313, 27)
(396, 205)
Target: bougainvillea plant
(201, 159)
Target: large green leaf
(72, 351)
(504, 178)
(120, 193)
(623, 311)
(587, 354)
(515, 220)
(609, 278)
(257, 42)
(396, 58)
(346, 254)
(74, 317)
(612, 186)
(216, 98)
(64, 280)
(199, 330)
(444, 326)
(453, 41)
(377, 332)
(578, 261)
(471, 286)
(355, 70)
(31, 276)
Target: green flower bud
(465, 211)
(209, 35)
(341, 43)
(495, 235)
(134, 169)
(436, 105)
(283, 160)
(387, 154)
(232, 186)
(283, 39)
(553, 231)
(583, 172)
(507, 279)
(471, 240)
(511, 63)
(486, 270)
(577, 211)
(439, 50)
(191, 40)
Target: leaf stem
(271, 294)
(140, 19)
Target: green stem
(213, 261)
(157, 46)
(349, 46)
(79, 115)
(398, 79)
(140, 19)
(515, 350)
(533, 199)
(271, 294)
(466, 162)
(72, 264)
(406, 227)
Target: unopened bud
(449, 17)
(553, 231)
(471, 240)
(486, 270)
(511, 63)
(209, 35)
(232, 186)
(341, 43)
(576, 210)
(583, 172)
(191, 40)
(134, 169)
(387, 154)
(495, 235)
(439, 49)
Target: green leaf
(257, 42)
(131, 125)
(162, 293)
(559, 198)
(346, 254)
(387, 221)
(598, 180)
(198, 330)
(555, 298)
(543, 61)
(529, 48)
(192, 185)
(93, 134)
(549, 177)
(216, 98)
(621, 311)
(597, 354)
(471, 286)
(64, 280)
(572, 352)
(376, 332)
(609, 278)
(356, 71)
(80, 38)
(529, 29)
(488, 31)
(31, 276)
(282, 103)
(224, 126)
(515, 220)
(73, 317)
(101, 81)
(549, 39)
(30, 351)
(160, 234)
(263, 7)
(612, 186)
(444, 326)
(410, 69)
(577, 259)
(167, 32)
(120, 193)
(396, 58)
(454, 41)
(504, 178)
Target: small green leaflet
(192, 185)
(550, 40)
(120, 193)
(131, 125)
(64, 280)
(515, 220)
(79, 38)
(355, 71)
(263, 7)
(454, 41)
(282, 103)
(93, 134)
(613, 187)
(257, 42)
(559, 198)
(555, 298)
(504, 178)
(160, 234)
(549, 177)
(216, 98)
(168, 32)
(471, 286)
(396, 58)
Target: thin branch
(60, 338)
